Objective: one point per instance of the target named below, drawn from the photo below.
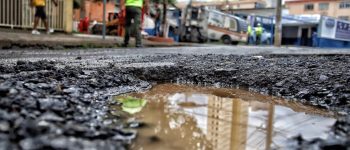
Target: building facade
(334, 8)
(271, 3)
(227, 123)
(226, 4)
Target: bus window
(215, 19)
(233, 25)
(227, 23)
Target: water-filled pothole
(184, 117)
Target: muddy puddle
(192, 118)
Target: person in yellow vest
(133, 20)
(258, 32)
(40, 14)
(250, 34)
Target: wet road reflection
(181, 117)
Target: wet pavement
(189, 118)
(61, 99)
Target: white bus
(225, 27)
(203, 24)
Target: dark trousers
(258, 40)
(250, 40)
(157, 27)
(40, 12)
(133, 23)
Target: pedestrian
(158, 18)
(258, 32)
(314, 39)
(40, 14)
(133, 20)
(250, 34)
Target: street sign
(336, 29)
(343, 30)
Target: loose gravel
(64, 103)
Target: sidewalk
(17, 39)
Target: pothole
(186, 117)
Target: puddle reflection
(195, 118)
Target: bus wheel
(226, 39)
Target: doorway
(304, 37)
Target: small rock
(21, 62)
(107, 122)
(4, 126)
(31, 143)
(59, 143)
(50, 116)
(330, 95)
(303, 94)
(13, 91)
(70, 90)
(258, 57)
(280, 84)
(344, 99)
(323, 78)
(136, 124)
(313, 66)
(75, 129)
(52, 104)
(125, 135)
(43, 86)
(4, 91)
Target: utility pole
(104, 19)
(278, 25)
(184, 20)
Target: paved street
(74, 89)
(198, 50)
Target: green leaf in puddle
(132, 105)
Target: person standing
(40, 14)
(250, 34)
(158, 19)
(314, 39)
(133, 20)
(258, 32)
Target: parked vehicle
(227, 28)
(200, 24)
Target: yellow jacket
(249, 30)
(39, 2)
(135, 3)
(259, 30)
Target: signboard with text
(332, 28)
(343, 30)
